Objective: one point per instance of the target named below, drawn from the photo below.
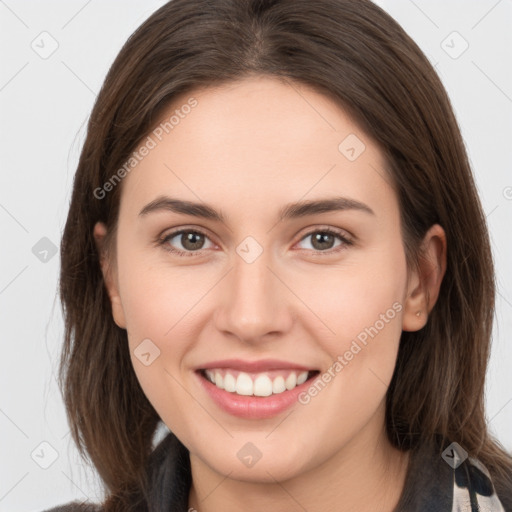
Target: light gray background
(44, 105)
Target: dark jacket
(432, 484)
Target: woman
(275, 248)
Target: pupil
(190, 241)
(321, 238)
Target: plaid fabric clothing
(437, 484)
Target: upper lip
(254, 366)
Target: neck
(366, 475)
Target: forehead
(255, 143)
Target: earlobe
(425, 281)
(109, 275)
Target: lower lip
(252, 407)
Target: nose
(254, 304)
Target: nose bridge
(254, 301)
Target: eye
(191, 241)
(323, 240)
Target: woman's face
(266, 284)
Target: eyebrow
(290, 211)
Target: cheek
(158, 298)
(164, 308)
(361, 311)
(350, 299)
(351, 389)
(158, 303)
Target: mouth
(257, 384)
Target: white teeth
(229, 383)
(262, 385)
(303, 377)
(291, 381)
(278, 385)
(219, 381)
(244, 385)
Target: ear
(109, 275)
(424, 282)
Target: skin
(247, 149)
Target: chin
(272, 464)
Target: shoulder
(448, 479)
(76, 506)
(490, 494)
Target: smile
(254, 389)
(260, 384)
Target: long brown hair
(357, 54)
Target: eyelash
(163, 242)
